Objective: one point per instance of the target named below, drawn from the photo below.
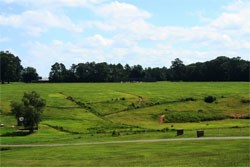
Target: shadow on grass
(5, 148)
(15, 134)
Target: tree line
(13, 71)
(220, 69)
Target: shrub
(188, 99)
(191, 116)
(209, 99)
(114, 133)
(245, 101)
(5, 148)
(70, 98)
(123, 98)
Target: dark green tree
(177, 70)
(10, 67)
(29, 74)
(137, 73)
(28, 113)
(58, 73)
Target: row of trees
(103, 72)
(220, 69)
(12, 70)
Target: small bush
(114, 133)
(4, 149)
(188, 99)
(192, 116)
(165, 129)
(70, 98)
(235, 126)
(245, 101)
(133, 105)
(245, 117)
(123, 98)
(209, 99)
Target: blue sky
(147, 32)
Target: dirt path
(129, 141)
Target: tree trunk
(31, 130)
(19, 123)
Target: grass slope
(85, 112)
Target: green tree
(58, 73)
(28, 113)
(137, 73)
(10, 67)
(177, 70)
(29, 74)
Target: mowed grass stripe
(130, 141)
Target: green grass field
(178, 153)
(132, 110)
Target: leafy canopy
(28, 113)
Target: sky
(151, 33)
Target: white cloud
(42, 4)
(36, 22)
(98, 41)
(234, 19)
(123, 34)
(122, 11)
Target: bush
(123, 98)
(191, 116)
(114, 133)
(245, 101)
(209, 99)
(188, 99)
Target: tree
(137, 73)
(28, 113)
(177, 70)
(58, 73)
(10, 67)
(29, 74)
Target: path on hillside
(128, 141)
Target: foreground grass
(179, 153)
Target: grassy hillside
(104, 107)
(87, 112)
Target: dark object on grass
(180, 132)
(114, 133)
(209, 99)
(200, 133)
(188, 99)
(245, 101)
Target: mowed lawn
(222, 153)
(131, 110)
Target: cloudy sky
(147, 32)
